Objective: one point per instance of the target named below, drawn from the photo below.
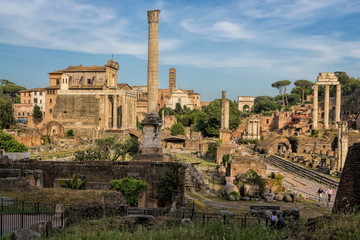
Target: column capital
(153, 15)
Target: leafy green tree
(9, 143)
(293, 99)
(6, 112)
(178, 108)
(342, 77)
(265, 106)
(37, 113)
(129, 188)
(167, 111)
(74, 183)
(12, 90)
(177, 129)
(303, 85)
(4, 82)
(263, 98)
(111, 149)
(209, 121)
(88, 155)
(281, 86)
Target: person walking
(329, 192)
(320, 193)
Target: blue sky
(241, 46)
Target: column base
(152, 135)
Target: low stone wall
(105, 171)
(240, 165)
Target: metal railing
(10, 222)
(18, 206)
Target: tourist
(320, 193)
(329, 192)
(274, 219)
(281, 221)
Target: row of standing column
(128, 114)
(326, 106)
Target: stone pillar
(153, 65)
(338, 103)
(115, 112)
(226, 115)
(106, 109)
(343, 144)
(326, 106)
(315, 107)
(163, 118)
(223, 100)
(152, 122)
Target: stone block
(25, 234)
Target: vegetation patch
(9, 143)
(129, 188)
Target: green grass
(104, 229)
(327, 227)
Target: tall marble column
(338, 103)
(106, 110)
(326, 106)
(343, 144)
(315, 107)
(226, 115)
(152, 121)
(115, 112)
(223, 100)
(153, 61)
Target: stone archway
(246, 108)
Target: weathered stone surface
(268, 197)
(229, 188)
(25, 234)
(279, 197)
(251, 190)
(348, 194)
(221, 171)
(43, 228)
(288, 198)
(186, 221)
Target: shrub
(177, 129)
(225, 159)
(129, 188)
(70, 133)
(74, 183)
(169, 186)
(37, 114)
(9, 144)
(278, 177)
(253, 178)
(248, 141)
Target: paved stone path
(301, 185)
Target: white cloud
(73, 26)
(218, 30)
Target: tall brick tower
(172, 79)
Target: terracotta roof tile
(81, 68)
